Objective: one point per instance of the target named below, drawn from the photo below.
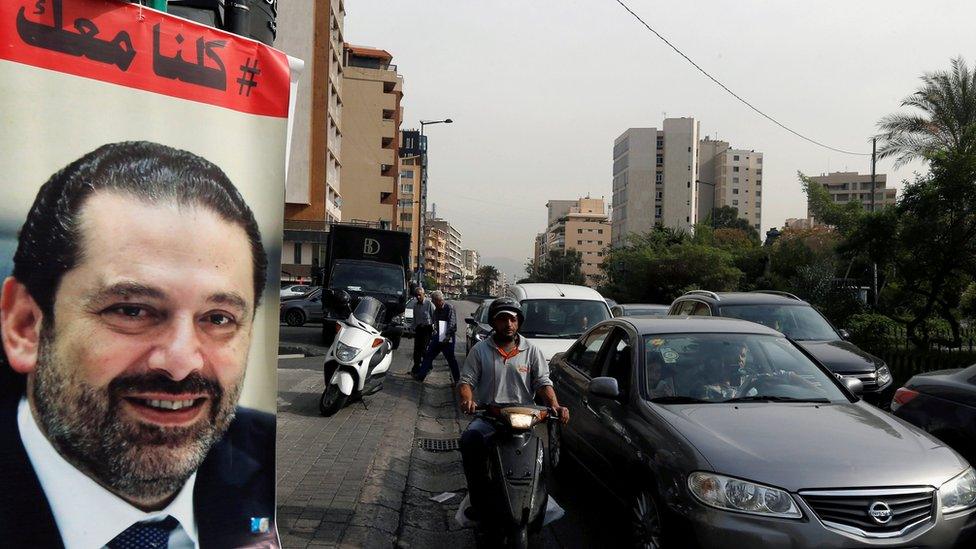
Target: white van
(557, 314)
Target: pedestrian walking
(423, 317)
(441, 343)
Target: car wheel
(555, 447)
(295, 317)
(646, 526)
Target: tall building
(581, 225)
(671, 177)
(410, 211)
(443, 260)
(470, 260)
(312, 188)
(653, 178)
(730, 177)
(371, 115)
(847, 187)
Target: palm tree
(946, 124)
(485, 277)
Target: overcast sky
(539, 89)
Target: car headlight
(345, 352)
(959, 493)
(884, 375)
(521, 418)
(732, 494)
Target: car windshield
(799, 322)
(561, 318)
(372, 277)
(712, 368)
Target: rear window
(799, 322)
(561, 318)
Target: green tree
(943, 123)
(485, 277)
(558, 266)
(727, 217)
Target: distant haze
(539, 89)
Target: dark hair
(48, 245)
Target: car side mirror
(844, 334)
(854, 385)
(470, 321)
(605, 387)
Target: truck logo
(880, 512)
(371, 246)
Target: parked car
(295, 290)
(556, 314)
(944, 404)
(724, 433)
(803, 324)
(479, 325)
(406, 319)
(296, 311)
(639, 309)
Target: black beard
(137, 461)
(502, 338)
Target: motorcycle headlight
(345, 352)
(732, 494)
(959, 493)
(884, 375)
(521, 418)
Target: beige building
(672, 177)
(581, 225)
(313, 32)
(847, 187)
(470, 261)
(443, 259)
(371, 115)
(730, 177)
(654, 172)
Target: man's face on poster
(139, 372)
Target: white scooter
(360, 356)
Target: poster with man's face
(143, 162)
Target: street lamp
(423, 197)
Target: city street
(360, 479)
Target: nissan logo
(880, 512)
(371, 246)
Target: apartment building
(581, 225)
(373, 91)
(410, 212)
(672, 177)
(470, 260)
(313, 199)
(443, 259)
(730, 177)
(847, 187)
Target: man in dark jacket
(442, 340)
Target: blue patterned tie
(145, 535)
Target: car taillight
(902, 396)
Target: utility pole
(874, 265)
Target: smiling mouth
(167, 404)
(173, 411)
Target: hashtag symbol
(248, 74)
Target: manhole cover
(438, 444)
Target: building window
(689, 149)
(406, 174)
(689, 184)
(735, 168)
(657, 211)
(599, 231)
(298, 253)
(759, 182)
(660, 143)
(735, 191)
(659, 178)
(735, 179)
(736, 157)
(579, 242)
(660, 195)
(758, 193)
(580, 231)
(660, 160)
(735, 202)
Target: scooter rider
(504, 368)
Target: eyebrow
(132, 289)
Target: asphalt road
(591, 520)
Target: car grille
(850, 510)
(869, 380)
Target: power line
(735, 95)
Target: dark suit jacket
(234, 484)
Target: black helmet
(505, 304)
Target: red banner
(133, 46)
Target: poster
(149, 350)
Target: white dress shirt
(89, 516)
